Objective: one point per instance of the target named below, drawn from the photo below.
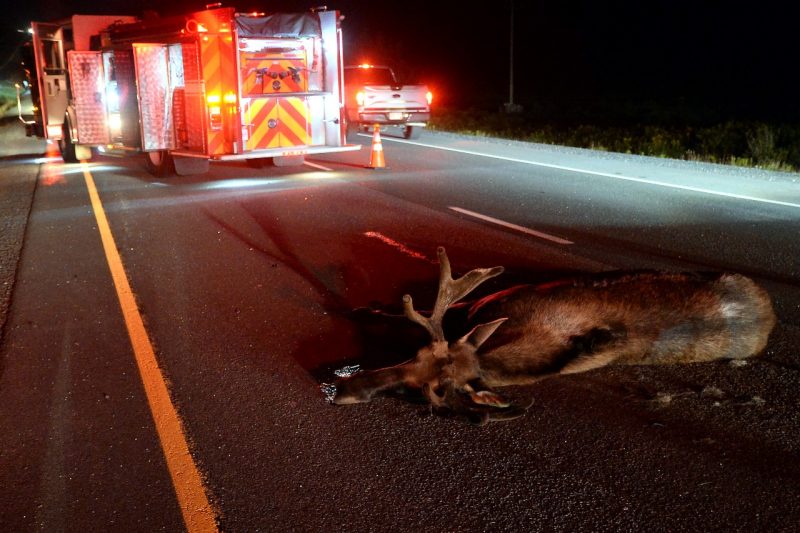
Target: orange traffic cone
(376, 159)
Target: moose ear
(481, 332)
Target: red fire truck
(186, 90)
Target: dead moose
(529, 332)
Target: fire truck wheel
(66, 145)
(411, 132)
(159, 163)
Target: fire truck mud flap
(83, 152)
(288, 160)
(278, 161)
(189, 166)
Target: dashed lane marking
(515, 227)
(622, 177)
(317, 166)
(195, 507)
(402, 248)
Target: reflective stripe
(216, 54)
(263, 111)
(278, 122)
(294, 121)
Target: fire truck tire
(159, 163)
(412, 132)
(288, 160)
(66, 145)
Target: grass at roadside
(8, 96)
(743, 143)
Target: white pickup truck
(373, 96)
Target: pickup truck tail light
(429, 97)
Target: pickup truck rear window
(368, 76)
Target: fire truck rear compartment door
(155, 99)
(88, 93)
(280, 122)
(52, 76)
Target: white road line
(522, 229)
(315, 165)
(607, 175)
(397, 245)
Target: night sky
(738, 59)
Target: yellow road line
(197, 512)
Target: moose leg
(595, 348)
(591, 349)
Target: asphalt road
(245, 279)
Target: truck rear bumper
(284, 152)
(411, 118)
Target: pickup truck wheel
(412, 132)
(159, 163)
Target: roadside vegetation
(749, 143)
(8, 96)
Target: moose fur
(529, 332)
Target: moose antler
(450, 291)
(447, 374)
(439, 358)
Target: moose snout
(344, 393)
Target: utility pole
(510, 106)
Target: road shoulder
(18, 173)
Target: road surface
(243, 281)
